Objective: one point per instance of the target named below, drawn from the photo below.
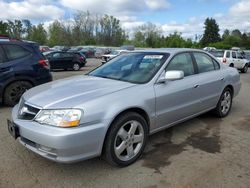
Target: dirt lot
(203, 152)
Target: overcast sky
(185, 16)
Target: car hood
(73, 91)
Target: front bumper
(64, 145)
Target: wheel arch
(13, 81)
(138, 110)
(231, 88)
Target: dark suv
(22, 66)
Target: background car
(44, 49)
(22, 66)
(231, 58)
(66, 60)
(247, 57)
(112, 54)
(101, 51)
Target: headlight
(60, 118)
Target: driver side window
(182, 62)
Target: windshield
(114, 53)
(134, 67)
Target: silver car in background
(111, 111)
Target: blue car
(22, 66)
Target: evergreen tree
(211, 32)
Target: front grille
(26, 111)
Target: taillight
(224, 60)
(44, 63)
(81, 58)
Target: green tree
(110, 32)
(236, 33)
(148, 35)
(225, 34)
(3, 28)
(38, 34)
(211, 32)
(27, 28)
(175, 40)
(15, 29)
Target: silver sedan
(111, 111)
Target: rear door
(210, 80)
(67, 60)
(234, 59)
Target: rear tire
(14, 91)
(245, 68)
(225, 103)
(76, 67)
(125, 140)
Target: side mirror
(171, 76)
(174, 75)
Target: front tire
(126, 139)
(14, 91)
(225, 103)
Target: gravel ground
(203, 152)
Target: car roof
(170, 50)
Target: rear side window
(2, 60)
(216, 65)
(204, 62)
(228, 55)
(67, 55)
(15, 51)
(234, 55)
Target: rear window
(15, 51)
(217, 53)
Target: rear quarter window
(204, 62)
(15, 51)
(2, 59)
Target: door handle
(222, 79)
(196, 86)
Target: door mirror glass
(174, 75)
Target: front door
(179, 99)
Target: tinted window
(56, 55)
(15, 51)
(234, 55)
(1, 55)
(67, 55)
(182, 62)
(204, 62)
(228, 55)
